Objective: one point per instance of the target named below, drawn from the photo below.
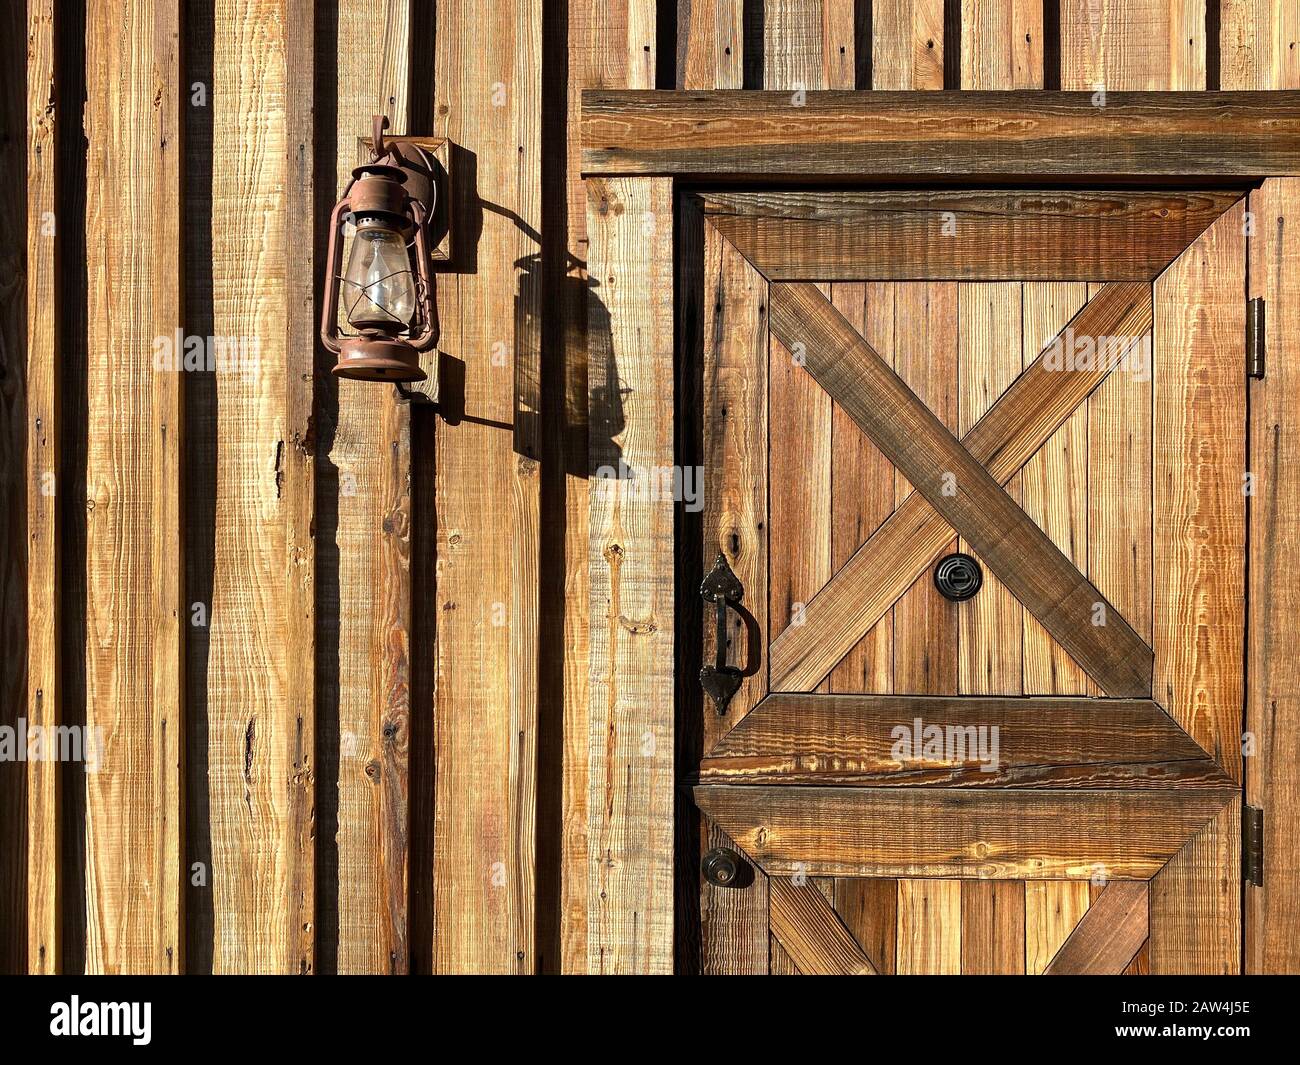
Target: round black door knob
(721, 867)
(958, 577)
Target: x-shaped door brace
(922, 448)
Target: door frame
(640, 149)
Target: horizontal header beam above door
(756, 136)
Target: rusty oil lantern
(386, 289)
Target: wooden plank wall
(232, 598)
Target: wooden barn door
(974, 541)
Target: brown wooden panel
(1195, 902)
(1001, 44)
(710, 44)
(869, 909)
(1257, 44)
(1041, 742)
(810, 930)
(894, 135)
(929, 927)
(630, 900)
(925, 355)
(133, 562)
(733, 919)
(993, 927)
(1132, 44)
(1018, 552)
(1273, 693)
(955, 832)
(862, 490)
(1108, 936)
(1053, 909)
(41, 429)
(925, 234)
(1199, 507)
(991, 625)
(735, 361)
(907, 45)
(913, 538)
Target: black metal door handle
(722, 588)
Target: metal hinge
(1252, 845)
(1255, 337)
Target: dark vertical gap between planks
(327, 520)
(688, 535)
(14, 141)
(1051, 44)
(752, 60)
(199, 461)
(952, 44)
(1213, 45)
(666, 63)
(424, 27)
(862, 16)
(555, 468)
(71, 284)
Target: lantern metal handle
(329, 322)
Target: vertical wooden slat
(260, 664)
(711, 39)
(734, 920)
(1052, 909)
(1132, 45)
(1054, 487)
(862, 488)
(133, 566)
(929, 927)
(367, 475)
(630, 908)
(907, 46)
(1196, 903)
(993, 927)
(1258, 44)
(869, 909)
(488, 82)
(736, 459)
(42, 428)
(1001, 44)
(1199, 505)
(595, 61)
(989, 359)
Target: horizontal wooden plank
(811, 932)
(1018, 552)
(915, 535)
(889, 135)
(1023, 741)
(981, 234)
(1109, 935)
(961, 832)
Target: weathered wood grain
(1195, 902)
(925, 623)
(1132, 44)
(993, 927)
(1273, 691)
(734, 919)
(1257, 45)
(914, 537)
(869, 909)
(1199, 506)
(487, 77)
(810, 930)
(991, 625)
(611, 44)
(1053, 908)
(1001, 44)
(956, 832)
(1015, 549)
(925, 234)
(710, 44)
(929, 927)
(133, 554)
(1108, 935)
(40, 429)
(736, 486)
(1054, 487)
(630, 915)
(1042, 741)
(907, 44)
(764, 136)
